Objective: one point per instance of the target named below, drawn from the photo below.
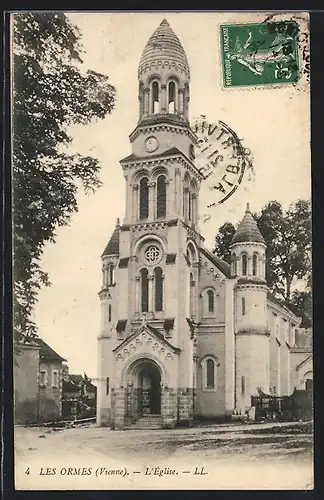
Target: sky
(274, 123)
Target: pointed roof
(112, 247)
(164, 44)
(247, 230)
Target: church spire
(163, 75)
(248, 230)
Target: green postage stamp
(260, 53)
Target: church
(183, 334)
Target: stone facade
(183, 334)
(26, 369)
(37, 382)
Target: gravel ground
(254, 456)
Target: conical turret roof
(112, 247)
(164, 45)
(247, 230)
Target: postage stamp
(260, 53)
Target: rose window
(152, 254)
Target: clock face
(151, 144)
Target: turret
(109, 259)
(252, 338)
(248, 250)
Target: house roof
(112, 247)
(223, 266)
(46, 352)
(247, 230)
(73, 382)
(164, 45)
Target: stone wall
(177, 407)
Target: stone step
(148, 422)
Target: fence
(298, 406)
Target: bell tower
(163, 76)
(162, 136)
(156, 271)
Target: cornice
(162, 63)
(138, 226)
(163, 126)
(252, 286)
(153, 162)
(210, 329)
(253, 244)
(253, 331)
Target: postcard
(162, 251)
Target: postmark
(264, 53)
(222, 159)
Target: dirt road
(257, 456)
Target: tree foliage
(51, 92)
(223, 240)
(288, 236)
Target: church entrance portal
(144, 389)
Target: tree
(301, 304)
(288, 237)
(51, 93)
(223, 240)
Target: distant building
(37, 382)
(302, 359)
(79, 397)
(183, 333)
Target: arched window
(144, 198)
(234, 264)
(243, 306)
(171, 97)
(186, 199)
(189, 205)
(111, 277)
(243, 386)
(209, 367)
(109, 313)
(155, 97)
(158, 275)
(186, 203)
(211, 301)
(210, 374)
(244, 264)
(254, 264)
(188, 254)
(193, 201)
(144, 290)
(161, 197)
(191, 294)
(141, 99)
